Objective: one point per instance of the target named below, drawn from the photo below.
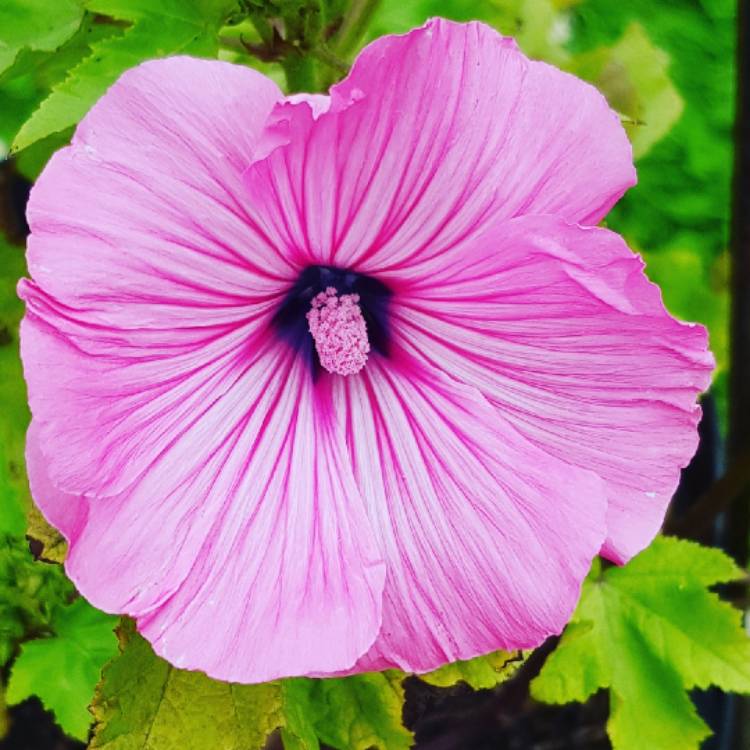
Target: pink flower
(325, 385)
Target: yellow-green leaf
(143, 703)
(480, 673)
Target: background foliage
(646, 633)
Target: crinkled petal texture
(559, 328)
(444, 502)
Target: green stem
(299, 70)
(354, 25)
(328, 58)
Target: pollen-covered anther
(339, 332)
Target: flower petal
(246, 552)
(486, 538)
(109, 401)
(559, 328)
(431, 136)
(151, 187)
(145, 260)
(67, 513)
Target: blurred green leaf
(17, 607)
(30, 593)
(539, 26)
(156, 30)
(14, 497)
(12, 624)
(63, 669)
(632, 74)
(12, 515)
(684, 180)
(36, 25)
(648, 632)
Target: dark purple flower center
(372, 296)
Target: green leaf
(143, 703)
(481, 673)
(30, 593)
(348, 713)
(12, 516)
(632, 74)
(364, 711)
(29, 80)
(649, 632)
(36, 25)
(156, 30)
(14, 497)
(13, 606)
(63, 670)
